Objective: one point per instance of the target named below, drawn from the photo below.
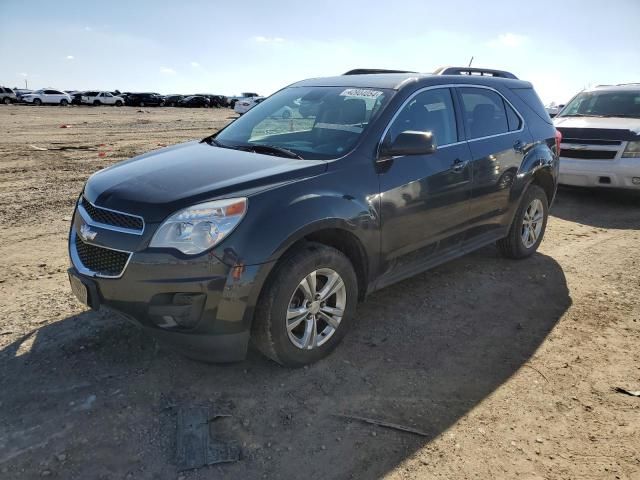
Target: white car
(47, 96)
(102, 98)
(553, 109)
(601, 138)
(246, 104)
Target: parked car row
(118, 99)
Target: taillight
(558, 141)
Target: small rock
(45, 473)
(61, 457)
(374, 434)
(245, 422)
(539, 440)
(323, 447)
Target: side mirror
(409, 143)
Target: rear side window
(530, 97)
(429, 111)
(484, 112)
(514, 121)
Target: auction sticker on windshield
(361, 93)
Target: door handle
(519, 146)
(458, 165)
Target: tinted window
(50, 92)
(530, 97)
(512, 118)
(484, 112)
(429, 111)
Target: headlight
(632, 150)
(200, 227)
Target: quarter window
(514, 121)
(484, 113)
(429, 111)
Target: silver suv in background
(601, 138)
(7, 96)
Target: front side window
(312, 122)
(604, 104)
(484, 112)
(429, 111)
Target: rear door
(498, 139)
(424, 198)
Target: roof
(397, 81)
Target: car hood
(158, 183)
(604, 128)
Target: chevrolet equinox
(272, 229)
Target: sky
(228, 47)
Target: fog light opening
(635, 180)
(605, 180)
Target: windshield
(312, 122)
(604, 104)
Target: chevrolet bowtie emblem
(86, 233)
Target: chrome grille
(588, 154)
(112, 218)
(104, 262)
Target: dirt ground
(508, 367)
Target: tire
(64, 102)
(37, 102)
(118, 103)
(96, 103)
(298, 346)
(6, 100)
(519, 243)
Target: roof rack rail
(488, 72)
(365, 71)
(630, 83)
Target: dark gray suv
(272, 229)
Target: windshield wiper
(272, 149)
(256, 148)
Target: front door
(424, 198)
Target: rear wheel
(6, 100)
(37, 101)
(96, 103)
(306, 307)
(529, 225)
(64, 102)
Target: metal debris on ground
(633, 393)
(194, 446)
(382, 423)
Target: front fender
(278, 218)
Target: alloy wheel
(532, 223)
(316, 309)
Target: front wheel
(528, 226)
(306, 307)
(37, 101)
(118, 103)
(6, 100)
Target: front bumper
(199, 306)
(618, 173)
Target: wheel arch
(333, 233)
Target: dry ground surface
(507, 366)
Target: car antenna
(470, 61)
